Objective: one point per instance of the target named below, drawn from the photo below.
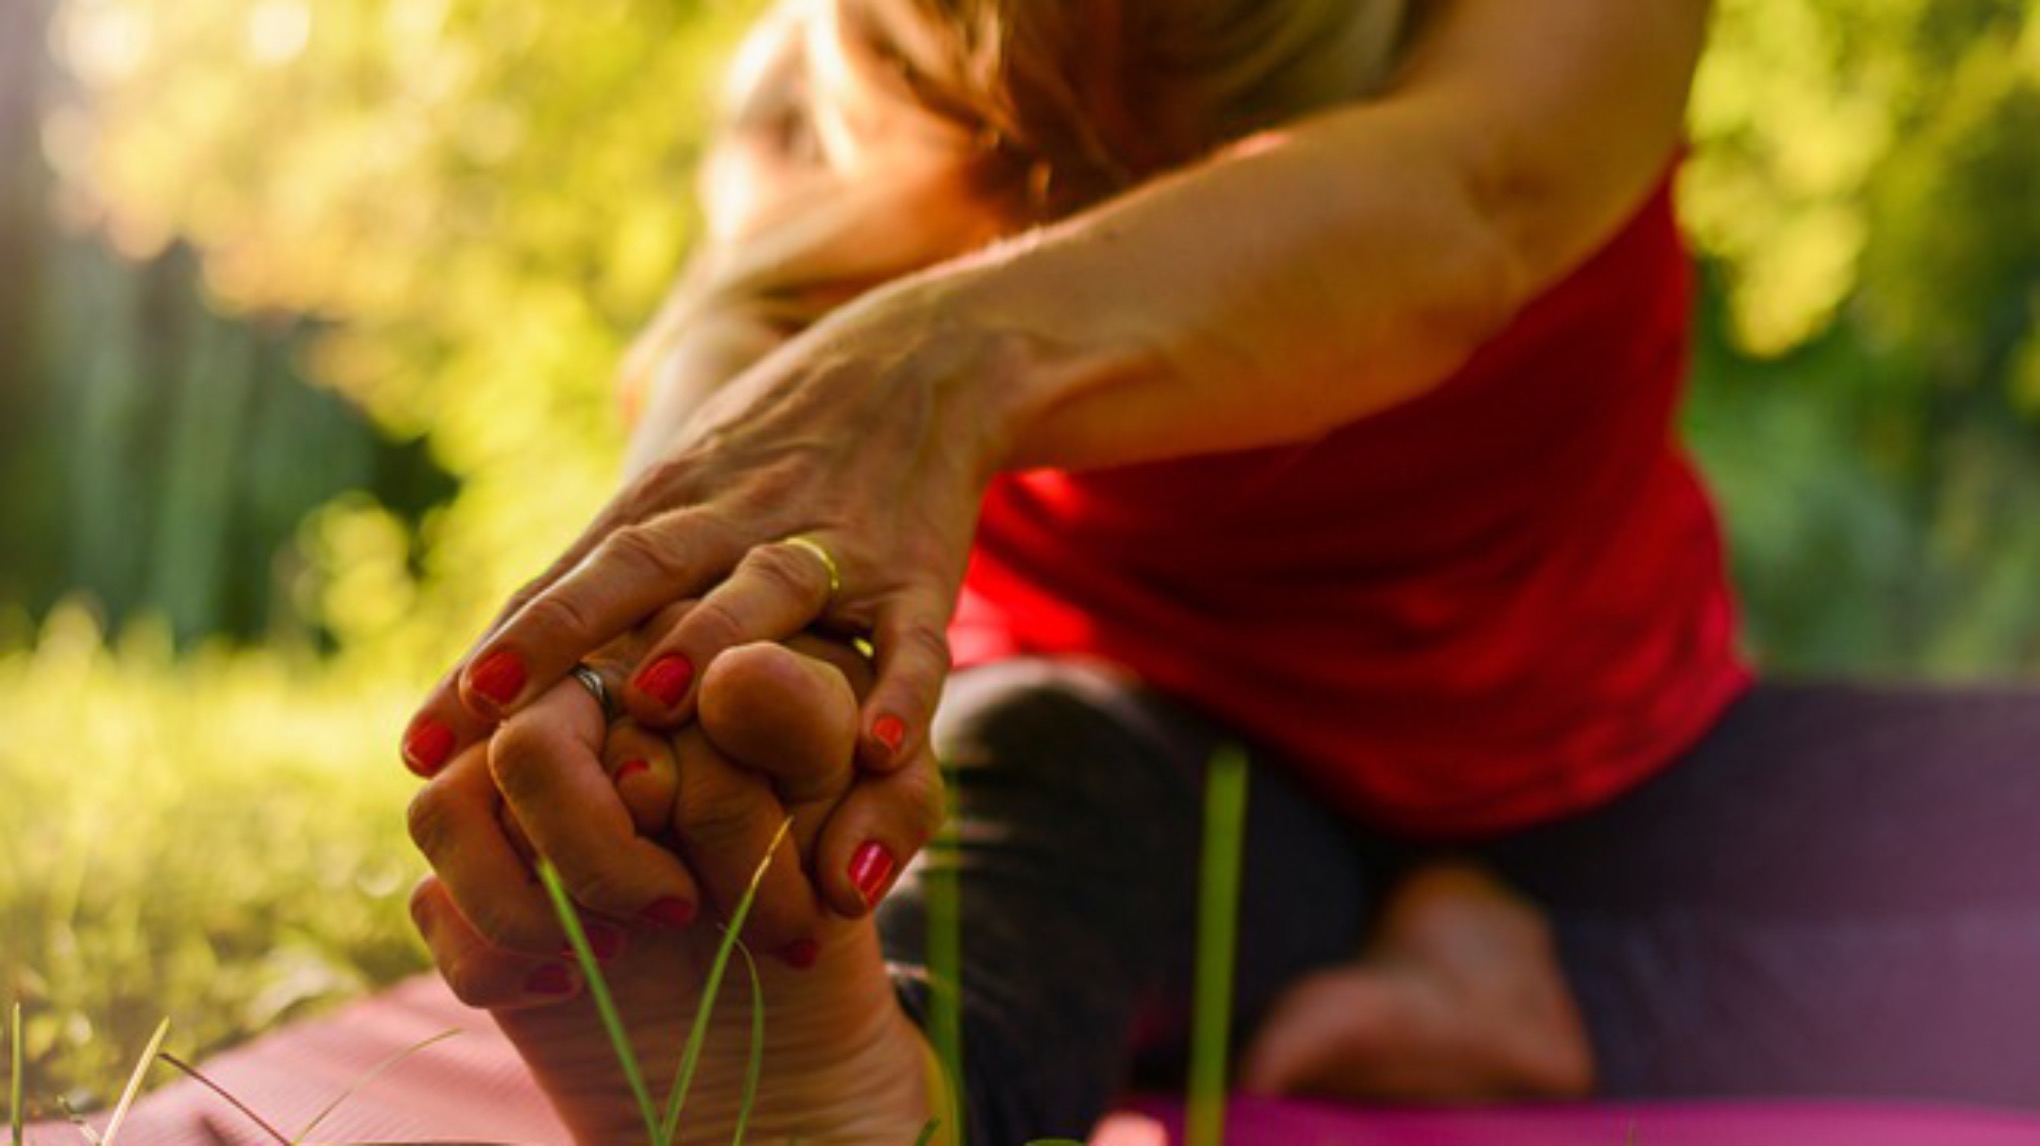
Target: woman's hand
(870, 438)
(612, 808)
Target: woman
(1299, 373)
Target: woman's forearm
(1342, 265)
(1266, 297)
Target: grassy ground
(217, 839)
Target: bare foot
(1459, 998)
(842, 1062)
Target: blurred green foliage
(448, 216)
(1866, 185)
(478, 201)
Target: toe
(789, 716)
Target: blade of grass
(598, 989)
(134, 1083)
(928, 1132)
(15, 1116)
(943, 901)
(1225, 808)
(199, 1076)
(756, 1067)
(374, 1072)
(83, 1127)
(684, 1077)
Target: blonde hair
(1075, 99)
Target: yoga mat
(472, 1089)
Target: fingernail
(870, 867)
(498, 676)
(630, 768)
(665, 680)
(889, 730)
(427, 747)
(800, 954)
(605, 942)
(671, 912)
(551, 979)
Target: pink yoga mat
(472, 1089)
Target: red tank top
(1492, 605)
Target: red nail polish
(665, 680)
(630, 768)
(870, 867)
(605, 942)
(889, 730)
(498, 676)
(800, 954)
(671, 912)
(427, 747)
(551, 979)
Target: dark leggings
(1836, 893)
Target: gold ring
(821, 554)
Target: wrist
(1020, 350)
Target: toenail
(870, 869)
(605, 942)
(670, 912)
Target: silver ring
(597, 688)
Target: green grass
(216, 840)
(1225, 816)
(134, 1085)
(598, 990)
(358, 1085)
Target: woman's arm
(1318, 273)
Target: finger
(440, 730)
(773, 593)
(443, 726)
(913, 662)
(480, 973)
(875, 831)
(791, 717)
(513, 834)
(725, 817)
(453, 820)
(631, 574)
(546, 763)
(640, 764)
